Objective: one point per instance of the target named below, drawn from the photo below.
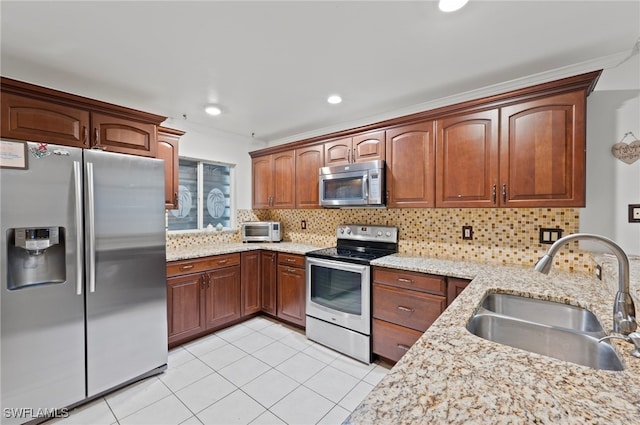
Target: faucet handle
(633, 337)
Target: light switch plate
(634, 213)
(467, 233)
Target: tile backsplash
(500, 235)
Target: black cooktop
(356, 255)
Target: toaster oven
(261, 231)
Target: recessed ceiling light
(451, 5)
(334, 99)
(213, 110)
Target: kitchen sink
(548, 328)
(544, 312)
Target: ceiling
(271, 65)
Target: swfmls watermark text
(34, 413)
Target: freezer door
(125, 268)
(42, 306)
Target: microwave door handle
(365, 183)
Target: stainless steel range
(339, 288)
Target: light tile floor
(257, 372)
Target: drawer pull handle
(291, 260)
(403, 308)
(292, 271)
(403, 347)
(187, 267)
(403, 280)
(223, 261)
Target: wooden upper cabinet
(284, 193)
(115, 134)
(542, 152)
(25, 118)
(337, 152)
(262, 170)
(273, 180)
(410, 165)
(308, 162)
(361, 147)
(368, 146)
(168, 140)
(467, 160)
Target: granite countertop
(196, 251)
(451, 376)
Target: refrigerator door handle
(91, 229)
(77, 175)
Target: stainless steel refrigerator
(83, 296)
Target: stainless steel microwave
(352, 185)
(261, 231)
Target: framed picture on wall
(13, 154)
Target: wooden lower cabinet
(268, 279)
(185, 307)
(405, 304)
(203, 294)
(391, 341)
(250, 282)
(454, 287)
(291, 289)
(222, 299)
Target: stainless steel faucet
(624, 311)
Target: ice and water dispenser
(36, 256)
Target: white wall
(613, 109)
(202, 142)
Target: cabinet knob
(175, 198)
(85, 134)
(493, 194)
(504, 193)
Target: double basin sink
(553, 329)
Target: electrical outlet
(549, 236)
(599, 271)
(467, 233)
(303, 224)
(634, 213)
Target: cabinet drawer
(201, 264)
(392, 341)
(411, 280)
(411, 309)
(292, 260)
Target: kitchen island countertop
(451, 376)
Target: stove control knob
(379, 233)
(388, 234)
(348, 231)
(341, 230)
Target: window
(204, 196)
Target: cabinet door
(24, 118)
(168, 151)
(467, 160)
(250, 282)
(308, 162)
(455, 286)
(291, 295)
(337, 152)
(268, 287)
(222, 299)
(185, 305)
(284, 188)
(261, 171)
(115, 134)
(368, 147)
(411, 166)
(542, 152)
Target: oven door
(339, 293)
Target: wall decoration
(13, 154)
(627, 153)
